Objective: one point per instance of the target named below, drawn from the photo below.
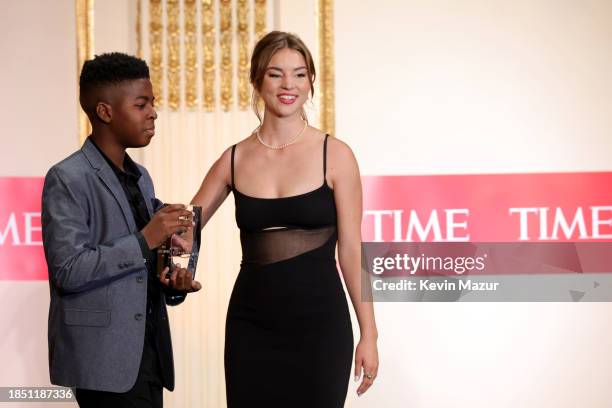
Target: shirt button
(139, 279)
(138, 316)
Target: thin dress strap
(325, 158)
(233, 151)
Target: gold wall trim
(176, 58)
(242, 32)
(173, 38)
(225, 30)
(326, 66)
(260, 18)
(85, 50)
(155, 46)
(191, 62)
(138, 29)
(208, 58)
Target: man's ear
(104, 112)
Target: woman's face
(285, 84)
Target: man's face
(133, 113)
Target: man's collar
(130, 167)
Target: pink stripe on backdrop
(478, 205)
(21, 251)
(487, 199)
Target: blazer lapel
(110, 180)
(145, 194)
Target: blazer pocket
(92, 318)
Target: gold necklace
(295, 139)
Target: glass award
(181, 250)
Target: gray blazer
(97, 276)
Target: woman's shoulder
(339, 151)
(332, 141)
(241, 144)
(341, 161)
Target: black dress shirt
(150, 366)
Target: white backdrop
(38, 113)
(481, 86)
(422, 87)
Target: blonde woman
(289, 341)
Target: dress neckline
(323, 186)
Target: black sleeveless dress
(288, 335)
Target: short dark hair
(112, 68)
(109, 69)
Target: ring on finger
(369, 376)
(183, 218)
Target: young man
(108, 326)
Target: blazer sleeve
(75, 263)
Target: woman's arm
(215, 187)
(346, 182)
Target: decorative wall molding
(85, 50)
(192, 73)
(326, 66)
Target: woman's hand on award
(366, 363)
(183, 243)
(180, 279)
